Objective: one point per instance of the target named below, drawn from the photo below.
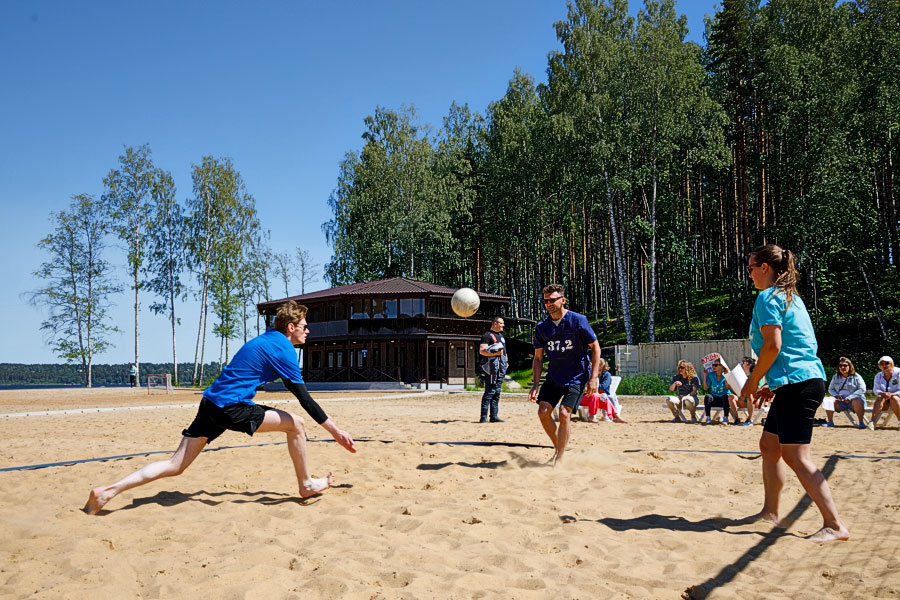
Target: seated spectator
(614, 411)
(748, 363)
(603, 398)
(686, 384)
(887, 390)
(847, 392)
(718, 394)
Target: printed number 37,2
(559, 345)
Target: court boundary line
(67, 463)
(99, 409)
(757, 453)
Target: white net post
(159, 383)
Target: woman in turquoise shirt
(782, 336)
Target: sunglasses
(551, 300)
(843, 365)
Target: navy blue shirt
(264, 358)
(566, 347)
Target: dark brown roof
(394, 287)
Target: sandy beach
(639, 510)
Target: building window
(315, 360)
(358, 310)
(378, 309)
(460, 358)
(412, 307)
(390, 309)
(340, 358)
(331, 360)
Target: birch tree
(77, 284)
(127, 196)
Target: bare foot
(315, 485)
(760, 516)
(827, 534)
(619, 420)
(97, 499)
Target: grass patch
(643, 384)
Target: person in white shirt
(887, 390)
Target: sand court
(638, 511)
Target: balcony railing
(390, 328)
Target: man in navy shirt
(565, 337)
(228, 404)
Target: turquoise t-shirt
(717, 386)
(797, 360)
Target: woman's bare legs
(813, 481)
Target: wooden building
(392, 330)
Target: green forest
(639, 174)
(646, 167)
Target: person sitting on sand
(687, 385)
(228, 404)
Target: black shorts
(551, 393)
(212, 421)
(793, 411)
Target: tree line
(645, 168)
(211, 245)
(12, 374)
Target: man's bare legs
(558, 435)
(292, 426)
(797, 457)
(545, 414)
(175, 465)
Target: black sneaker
(497, 420)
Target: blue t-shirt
(566, 347)
(264, 358)
(797, 360)
(717, 386)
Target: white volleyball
(465, 302)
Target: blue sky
(280, 87)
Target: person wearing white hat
(887, 390)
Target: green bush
(643, 384)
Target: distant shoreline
(45, 386)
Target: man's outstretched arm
(315, 411)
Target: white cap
(887, 359)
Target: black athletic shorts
(212, 421)
(571, 395)
(793, 410)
